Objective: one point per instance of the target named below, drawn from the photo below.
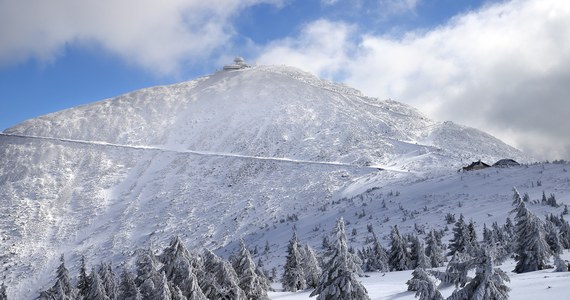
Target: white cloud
(374, 8)
(157, 35)
(322, 47)
(329, 2)
(395, 7)
(503, 69)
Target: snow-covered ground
(248, 153)
(544, 284)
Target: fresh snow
(392, 285)
(237, 154)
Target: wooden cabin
(506, 163)
(477, 165)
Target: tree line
(179, 274)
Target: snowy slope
(385, 286)
(268, 111)
(214, 159)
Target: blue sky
(472, 62)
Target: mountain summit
(270, 111)
(211, 160)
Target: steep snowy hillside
(269, 112)
(222, 157)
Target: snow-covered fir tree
(62, 289)
(559, 264)
(532, 251)
(3, 293)
(83, 279)
(178, 267)
(220, 280)
(418, 258)
(294, 278)
(509, 227)
(175, 292)
(457, 270)
(147, 274)
(460, 236)
(108, 279)
(338, 280)
(253, 284)
(96, 288)
(487, 235)
(175, 261)
(434, 251)
(193, 290)
(162, 291)
(564, 233)
(398, 257)
(490, 243)
(375, 257)
(471, 241)
(489, 282)
(311, 266)
(128, 289)
(498, 233)
(423, 285)
(552, 237)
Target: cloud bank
(157, 35)
(504, 69)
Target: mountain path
(197, 152)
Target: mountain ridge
(175, 117)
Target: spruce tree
(96, 289)
(559, 264)
(552, 238)
(489, 282)
(147, 275)
(564, 233)
(162, 290)
(64, 281)
(398, 256)
(62, 289)
(509, 237)
(457, 270)
(193, 290)
(311, 267)
(128, 289)
(83, 279)
(3, 293)
(471, 242)
(509, 227)
(434, 251)
(178, 267)
(376, 257)
(491, 243)
(338, 280)
(532, 250)
(175, 292)
(220, 280)
(294, 278)
(254, 285)
(418, 258)
(108, 280)
(423, 285)
(460, 237)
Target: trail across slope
(196, 152)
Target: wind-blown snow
(226, 156)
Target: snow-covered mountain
(225, 156)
